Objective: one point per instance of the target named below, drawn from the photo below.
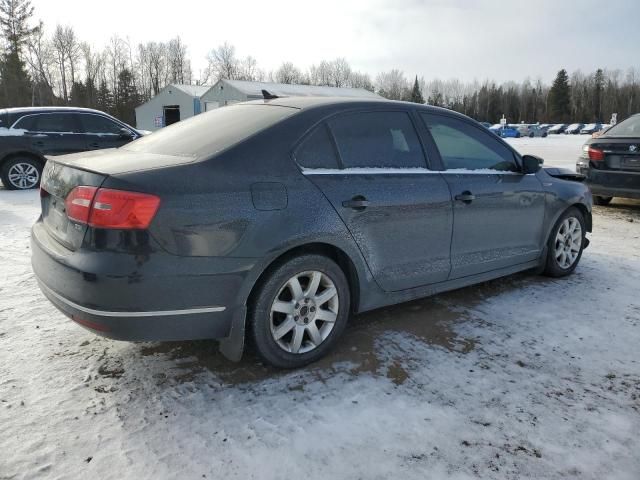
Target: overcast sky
(465, 39)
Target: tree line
(42, 67)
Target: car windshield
(211, 132)
(627, 128)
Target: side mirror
(531, 164)
(126, 133)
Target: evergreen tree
(598, 80)
(15, 85)
(104, 98)
(128, 98)
(78, 95)
(560, 97)
(416, 94)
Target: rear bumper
(164, 298)
(607, 183)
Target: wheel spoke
(282, 307)
(296, 288)
(314, 334)
(313, 284)
(325, 296)
(296, 342)
(284, 328)
(326, 315)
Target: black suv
(29, 134)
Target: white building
(177, 102)
(173, 103)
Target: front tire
(21, 173)
(565, 244)
(603, 201)
(299, 311)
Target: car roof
(49, 109)
(342, 103)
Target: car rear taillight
(78, 203)
(108, 208)
(595, 154)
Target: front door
(102, 132)
(398, 212)
(498, 211)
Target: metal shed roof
(283, 89)
(192, 90)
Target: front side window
(377, 140)
(463, 146)
(317, 151)
(99, 125)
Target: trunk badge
(633, 148)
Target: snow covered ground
(524, 377)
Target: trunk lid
(57, 182)
(622, 154)
(117, 161)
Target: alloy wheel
(304, 312)
(23, 175)
(568, 242)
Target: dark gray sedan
(274, 221)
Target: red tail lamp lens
(595, 154)
(108, 208)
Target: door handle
(94, 145)
(357, 203)
(38, 144)
(466, 197)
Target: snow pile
(11, 132)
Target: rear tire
(603, 201)
(565, 244)
(299, 311)
(531, 135)
(21, 173)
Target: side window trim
(334, 144)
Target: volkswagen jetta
(273, 221)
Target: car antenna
(268, 96)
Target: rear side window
(317, 151)
(378, 140)
(209, 133)
(98, 124)
(627, 128)
(463, 146)
(27, 123)
(49, 122)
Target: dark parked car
(28, 135)
(557, 128)
(591, 128)
(611, 162)
(276, 220)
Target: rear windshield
(627, 128)
(211, 132)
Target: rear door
(102, 132)
(371, 166)
(498, 211)
(55, 133)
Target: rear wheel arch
(338, 255)
(26, 156)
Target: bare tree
(340, 72)
(40, 58)
(392, 84)
(222, 63)
(178, 62)
(287, 73)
